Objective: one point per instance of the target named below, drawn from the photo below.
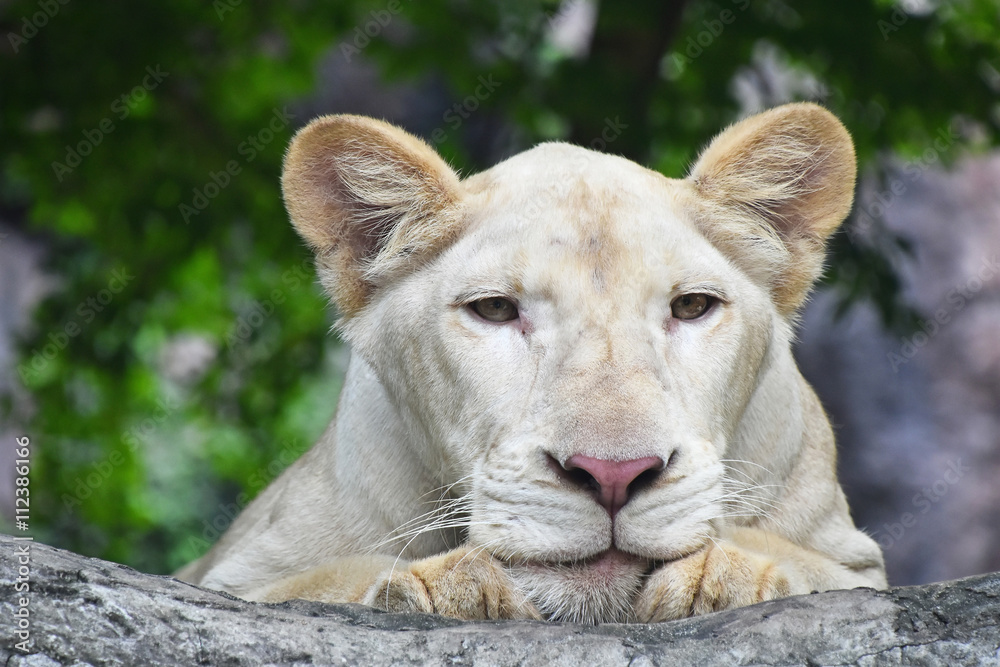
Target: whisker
(443, 510)
(750, 463)
(749, 500)
(445, 506)
(719, 547)
(738, 492)
(425, 522)
(446, 488)
(443, 523)
(732, 496)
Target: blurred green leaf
(148, 139)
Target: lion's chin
(599, 589)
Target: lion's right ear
(369, 199)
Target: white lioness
(572, 394)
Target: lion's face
(569, 318)
(578, 262)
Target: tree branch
(84, 610)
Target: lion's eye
(691, 306)
(495, 309)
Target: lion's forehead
(561, 219)
(556, 162)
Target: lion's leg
(464, 583)
(340, 580)
(745, 566)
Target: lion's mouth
(608, 563)
(611, 559)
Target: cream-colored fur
(439, 487)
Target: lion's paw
(721, 576)
(464, 583)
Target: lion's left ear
(770, 191)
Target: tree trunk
(87, 611)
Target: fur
(439, 486)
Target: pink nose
(609, 479)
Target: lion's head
(593, 359)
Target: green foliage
(172, 224)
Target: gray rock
(917, 416)
(85, 611)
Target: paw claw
(399, 592)
(461, 584)
(716, 578)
